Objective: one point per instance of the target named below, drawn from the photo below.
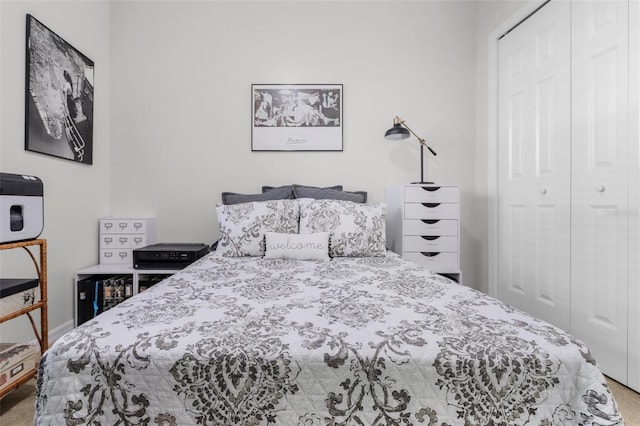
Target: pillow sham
(243, 226)
(297, 246)
(329, 194)
(281, 193)
(271, 188)
(355, 229)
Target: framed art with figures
(58, 97)
(296, 117)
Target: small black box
(168, 255)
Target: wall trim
(56, 333)
(60, 330)
(492, 137)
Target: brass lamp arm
(422, 141)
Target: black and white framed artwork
(59, 96)
(296, 117)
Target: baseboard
(59, 331)
(56, 333)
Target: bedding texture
(351, 341)
(281, 193)
(289, 192)
(243, 226)
(356, 230)
(266, 188)
(329, 194)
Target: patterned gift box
(17, 294)
(16, 361)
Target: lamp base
(421, 183)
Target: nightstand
(423, 226)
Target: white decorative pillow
(242, 226)
(297, 246)
(355, 229)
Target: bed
(364, 339)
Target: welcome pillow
(297, 246)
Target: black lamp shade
(396, 133)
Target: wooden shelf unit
(41, 269)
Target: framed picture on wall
(296, 117)
(58, 97)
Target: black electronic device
(168, 255)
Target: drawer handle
(430, 205)
(430, 221)
(430, 188)
(108, 225)
(430, 237)
(122, 254)
(429, 253)
(137, 240)
(108, 240)
(108, 254)
(122, 240)
(122, 225)
(137, 225)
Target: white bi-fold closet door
(534, 155)
(563, 181)
(599, 190)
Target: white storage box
(120, 236)
(21, 207)
(16, 361)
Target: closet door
(634, 197)
(534, 157)
(599, 187)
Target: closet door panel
(514, 101)
(515, 171)
(599, 182)
(534, 152)
(634, 197)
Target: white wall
(181, 101)
(75, 195)
(172, 111)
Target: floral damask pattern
(234, 379)
(355, 229)
(243, 226)
(352, 341)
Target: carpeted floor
(16, 408)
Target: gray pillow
(281, 193)
(271, 188)
(329, 194)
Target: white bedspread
(370, 341)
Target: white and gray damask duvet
(362, 341)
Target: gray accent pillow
(281, 193)
(300, 191)
(271, 188)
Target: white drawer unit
(120, 236)
(423, 226)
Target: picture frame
(296, 117)
(58, 96)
